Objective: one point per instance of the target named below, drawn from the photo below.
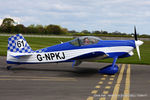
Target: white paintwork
(68, 54)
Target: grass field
(38, 43)
(34, 42)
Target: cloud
(109, 15)
(1, 20)
(16, 19)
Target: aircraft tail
(18, 44)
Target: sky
(91, 15)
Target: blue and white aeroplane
(78, 50)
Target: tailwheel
(9, 67)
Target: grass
(34, 42)
(38, 43)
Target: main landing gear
(110, 69)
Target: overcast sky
(109, 15)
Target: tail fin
(18, 44)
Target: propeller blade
(135, 35)
(138, 43)
(138, 52)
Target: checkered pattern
(12, 47)
(40, 51)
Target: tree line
(9, 26)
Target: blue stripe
(119, 54)
(11, 62)
(101, 43)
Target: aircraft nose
(139, 42)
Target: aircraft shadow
(78, 71)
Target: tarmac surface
(62, 82)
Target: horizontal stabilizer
(18, 55)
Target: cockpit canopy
(85, 40)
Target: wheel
(109, 69)
(8, 67)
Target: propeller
(137, 43)
(135, 35)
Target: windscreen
(85, 40)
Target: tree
(85, 32)
(97, 32)
(53, 29)
(73, 31)
(8, 22)
(104, 32)
(31, 29)
(40, 29)
(20, 28)
(116, 33)
(7, 25)
(64, 30)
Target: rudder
(17, 43)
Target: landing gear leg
(111, 69)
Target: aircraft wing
(96, 56)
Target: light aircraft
(81, 49)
